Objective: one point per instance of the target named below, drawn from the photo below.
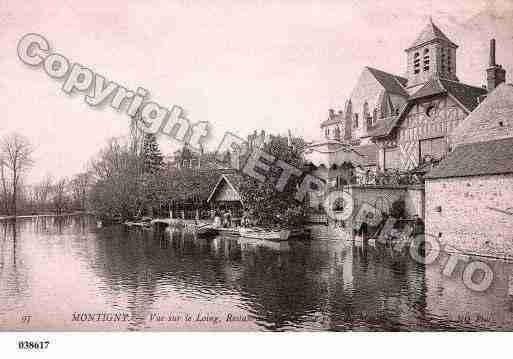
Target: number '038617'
(33, 344)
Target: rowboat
(206, 231)
(265, 234)
(137, 224)
(228, 231)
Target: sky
(240, 65)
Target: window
(426, 62)
(433, 147)
(355, 121)
(430, 110)
(392, 158)
(426, 51)
(416, 63)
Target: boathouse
(226, 195)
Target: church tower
(432, 54)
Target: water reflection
(52, 267)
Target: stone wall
(382, 197)
(470, 213)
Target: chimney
(495, 74)
(348, 121)
(492, 53)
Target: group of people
(223, 219)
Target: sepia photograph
(255, 166)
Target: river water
(66, 274)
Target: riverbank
(45, 215)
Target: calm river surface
(68, 275)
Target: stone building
(398, 122)
(469, 196)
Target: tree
(265, 204)
(60, 196)
(116, 191)
(42, 191)
(16, 154)
(151, 156)
(79, 185)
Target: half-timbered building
(400, 122)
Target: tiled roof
(492, 120)
(390, 123)
(382, 127)
(392, 83)
(432, 87)
(477, 159)
(370, 152)
(467, 95)
(429, 33)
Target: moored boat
(206, 231)
(265, 234)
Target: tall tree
(79, 186)
(116, 191)
(60, 196)
(16, 153)
(42, 192)
(266, 205)
(153, 160)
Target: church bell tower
(432, 54)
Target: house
(399, 122)
(469, 196)
(226, 194)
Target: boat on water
(265, 234)
(206, 231)
(251, 243)
(144, 222)
(228, 231)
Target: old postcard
(228, 166)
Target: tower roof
(430, 33)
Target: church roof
(467, 95)
(477, 159)
(392, 83)
(430, 33)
